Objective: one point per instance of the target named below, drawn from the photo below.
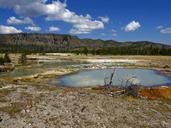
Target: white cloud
(132, 26)
(81, 24)
(166, 30)
(53, 29)
(85, 27)
(14, 20)
(76, 31)
(33, 28)
(159, 27)
(14, 3)
(8, 29)
(55, 10)
(114, 32)
(104, 19)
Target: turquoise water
(96, 78)
(38, 68)
(20, 72)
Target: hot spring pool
(94, 78)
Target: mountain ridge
(36, 42)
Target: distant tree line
(130, 50)
(123, 51)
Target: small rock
(23, 111)
(83, 108)
(27, 110)
(1, 119)
(164, 123)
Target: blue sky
(122, 20)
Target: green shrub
(7, 58)
(2, 61)
(23, 59)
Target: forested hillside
(41, 43)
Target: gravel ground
(50, 107)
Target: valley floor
(32, 103)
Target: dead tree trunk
(111, 78)
(109, 84)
